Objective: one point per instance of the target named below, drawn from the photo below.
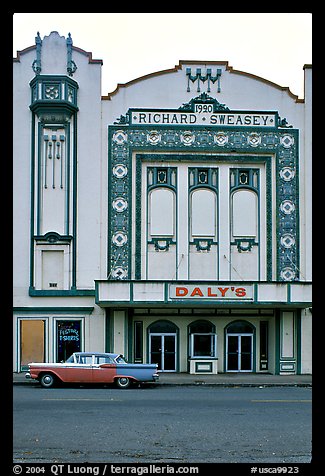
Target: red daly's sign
(210, 291)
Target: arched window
(161, 327)
(203, 213)
(161, 212)
(240, 327)
(244, 213)
(202, 339)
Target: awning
(137, 293)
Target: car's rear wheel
(47, 380)
(123, 382)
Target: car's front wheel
(47, 380)
(123, 382)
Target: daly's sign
(210, 291)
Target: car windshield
(70, 359)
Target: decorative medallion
(154, 137)
(51, 91)
(254, 139)
(287, 141)
(288, 274)
(221, 138)
(120, 205)
(120, 137)
(119, 239)
(119, 273)
(287, 207)
(120, 171)
(287, 174)
(287, 241)
(187, 138)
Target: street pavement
(222, 379)
(163, 424)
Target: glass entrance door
(163, 351)
(239, 352)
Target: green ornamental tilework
(279, 145)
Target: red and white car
(92, 367)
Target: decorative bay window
(54, 129)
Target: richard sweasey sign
(237, 119)
(201, 111)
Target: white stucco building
(169, 221)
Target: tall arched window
(244, 213)
(161, 212)
(240, 327)
(203, 213)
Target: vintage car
(92, 367)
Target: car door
(103, 369)
(79, 371)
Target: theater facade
(169, 220)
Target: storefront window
(68, 338)
(203, 340)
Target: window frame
(213, 345)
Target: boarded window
(244, 213)
(52, 269)
(203, 213)
(32, 342)
(161, 212)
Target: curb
(206, 384)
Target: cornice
(75, 48)
(228, 68)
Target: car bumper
(155, 377)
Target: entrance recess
(163, 351)
(163, 345)
(239, 352)
(239, 347)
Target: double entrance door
(239, 352)
(162, 348)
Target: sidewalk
(222, 379)
(236, 379)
